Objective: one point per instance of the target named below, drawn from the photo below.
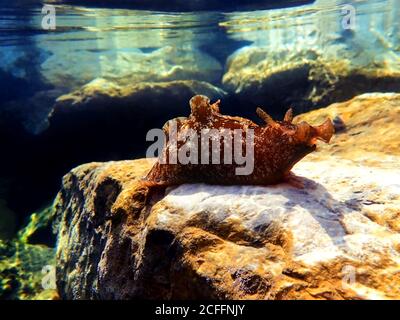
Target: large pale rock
(334, 234)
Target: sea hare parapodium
(278, 146)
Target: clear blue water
(115, 43)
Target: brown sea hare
(275, 148)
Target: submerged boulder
(108, 98)
(129, 66)
(335, 235)
(308, 78)
(101, 93)
(146, 105)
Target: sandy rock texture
(333, 234)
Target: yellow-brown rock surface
(307, 78)
(370, 131)
(335, 238)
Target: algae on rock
(27, 270)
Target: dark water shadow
(318, 197)
(185, 6)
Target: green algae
(27, 270)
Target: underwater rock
(31, 114)
(102, 92)
(133, 66)
(306, 79)
(337, 237)
(148, 104)
(20, 76)
(371, 123)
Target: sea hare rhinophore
(276, 147)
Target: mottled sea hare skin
(278, 146)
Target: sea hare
(276, 147)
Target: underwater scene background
(90, 87)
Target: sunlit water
(90, 43)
